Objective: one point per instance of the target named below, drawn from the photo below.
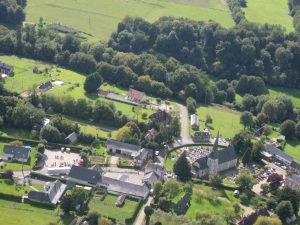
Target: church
(216, 162)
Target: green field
(269, 11)
(13, 213)
(14, 166)
(100, 17)
(293, 94)
(224, 119)
(107, 207)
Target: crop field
(99, 18)
(269, 11)
(225, 120)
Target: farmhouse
(137, 153)
(278, 154)
(6, 69)
(195, 122)
(293, 181)
(45, 86)
(161, 116)
(201, 137)
(72, 138)
(136, 96)
(14, 153)
(51, 196)
(217, 161)
(84, 176)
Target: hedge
(135, 214)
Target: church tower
(213, 158)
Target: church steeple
(214, 153)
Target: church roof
(200, 164)
(226, 155)
(215, 153)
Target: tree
(41, 148)
(148, 212)
(284, 210)
(264, 220)
(264, 188)
(288, 129)
(191, 105)
(267, 130)
(297, 130)
(93, 217)
(72, 198)
(229, 215)
(247, 119)
(275, 180)
(244, 180)
(164, 204)
(50, 133)
(215, 180)
(287, 194)
(257, 149)
(157, 189)
(208, 119)
(182, 168)
(241, 143)
(171, 188)
(92, 82)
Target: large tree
(288, 129)
(284, 210)
(182, 168)
(92, 82)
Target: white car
(156, 153)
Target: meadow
(269, 11)
(99, 18)
(108, 208)
(224, 119)
(18, 213)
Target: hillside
(100, 17)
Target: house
(217, 161)
(136, 96)
(150, 135)
(201, 137)
(84, 176)
(156, 168)
(6, 69)
(161, 116)
(195, 122)
(278, 154)
(137, 153)
(295, 167)
(45, 86)
(120, 187)
(52, 194)
(183, 204)
(293, 181)
(251, 219)
(72, 138)
(17, 154)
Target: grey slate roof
(226, 155)
(278, 153)
(6, 66)
(183, 203)
(72, 137)
(294, 177)
(123, 145)
(201, 134)
(155, 167)
(84, 174)
(51, 196)
(201, 163)
(17, 152)
(46, 85)
(295, 165)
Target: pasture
(269, 11)
(293, 94)
(18, 213)
(224, 119)
(100, 18)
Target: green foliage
(284, 210)
(191, 105)
(50, 133)
(244, 180)
(92, 82)
(182, 168)
(288, 129)
(171, 188)
(215, 180)
(264, 220)
(247, 119)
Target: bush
(41, 148)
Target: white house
(195, 122)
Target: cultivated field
(100, 17)
(269, 11)
(224, 119)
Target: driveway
(140, 219)
(184, 119)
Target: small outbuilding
(195, 122)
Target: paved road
(184, 118)
(140, 219)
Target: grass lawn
(293, 94)
(269, 11)
(292, 148)
(11, 188)
(100, 17)
(166, 218)
(107, 207)
(17, 166)
(224, 119)
(15, 132)
(13, 213)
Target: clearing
(269, 11)
(99, 18)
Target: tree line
(12, 11)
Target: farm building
(54, 191)
(45, 86)
(137, 153)
(278, 154)
(195, 122)
(136, 96)
(72, 138)
(183, 204)
(6, 69)
(83, 175)
(14, 153)
(201, 136)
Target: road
(140, 219)
(184, 119)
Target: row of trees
(294, 6)
(12, 11)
